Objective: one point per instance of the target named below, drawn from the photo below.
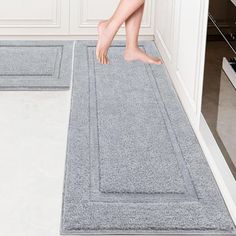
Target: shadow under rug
(134, 164)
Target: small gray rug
(134, 165)
(35, 65)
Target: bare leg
(108, 29)
(133, 52)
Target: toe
(106, 60)
(100, 57)
(103, 59)
(157, 61)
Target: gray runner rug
(35, 65)
(134, 165)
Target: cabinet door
(181, 35)
(164, 26)
(85, 15)
(34, 17)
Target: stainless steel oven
(219, 90)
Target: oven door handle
(234, 2)
(229, 71)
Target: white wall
(62, 17)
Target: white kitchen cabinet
(180, 30)
(62, 17)
(33, 17)
(180, 34)
(85, 15)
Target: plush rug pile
(35, 65)
(133, 162)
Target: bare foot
(138, 54)
(105, 38)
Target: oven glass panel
(219, 93)
(226, 117)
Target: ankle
(111, 26)
(131, 47)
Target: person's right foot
(105, 38)
(132, 54)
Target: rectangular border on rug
(36, 65)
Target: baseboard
(65, 37)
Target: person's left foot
(105, 37)
(132, 54)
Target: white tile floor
(33, 133)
